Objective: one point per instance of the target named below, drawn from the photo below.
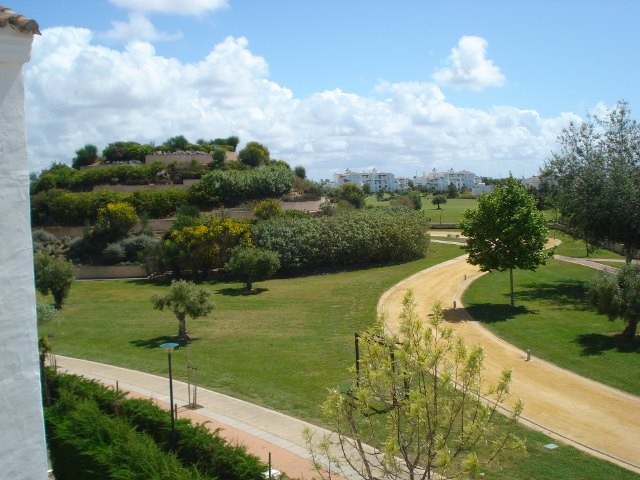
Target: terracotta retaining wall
(86, 272)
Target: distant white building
(440, 181)
(376, 180)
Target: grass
(553, 318)
(572, 247)
(451, 211)
(281, 347)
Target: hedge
(201, 453)
(350, 238)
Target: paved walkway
(588, 415)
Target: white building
(376, 180)
(23, 452)
(440, 181)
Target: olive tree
(54, 275)
(506, 231)
(252, 264)
(618, 296)
(184, 299)
(417, 406)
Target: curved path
(588, 415)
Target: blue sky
(403, 86)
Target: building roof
(18, 22)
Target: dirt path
(588, 415)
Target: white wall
(22, 442)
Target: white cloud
(182, 7)
(137, 28)
(79, 92)
(469, 67)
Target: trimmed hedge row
(351, 238)
(130, 438)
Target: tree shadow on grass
(157, 341)
(493, 312)
(240, 292)
(597, 343)
(563, 293)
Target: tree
(184, 299)
(506, 231)
(351, 193)
(174, 144)
(252, 264)
(267, 209)
(87, 155)
(254, 155)
(597, 176)
(300, 172)
(417, 406)
(452, 191)
(114, 221)
(618, 296)
(53, 275)
(439, 199)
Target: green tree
(596, 174)
(300, 172)
(174, 144)
(351, 193)
(252, 264)
(184, 299)
(254, 155)
(452, 191)
(438, 200)
(114, 221)
(87, 155)
(267, 209)
(618, 296)
(53, 275)
(506, 231)
(415, 399)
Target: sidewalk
(261, 430)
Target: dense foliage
(53, 274)
(252, 264)
(595, 178)
(350, 238)
(618, 296)
(95, 432)
(506, 231)
(233, 187)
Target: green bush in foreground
(94, 432)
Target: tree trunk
(630, 330)
(248, 285)
(182, 327)
(511, 285)
(628, 254)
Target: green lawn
(553, 319)
(451, 211)
(282, 347)
(572, 247)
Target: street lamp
(169, 349)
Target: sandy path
(591, 416)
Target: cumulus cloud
(80, 92)
(137, 28)
(468, 66)
(183, 7)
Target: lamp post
(168, 347)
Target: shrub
(252, 264)
(347, 238)
(267, 209)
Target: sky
(402, 86)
